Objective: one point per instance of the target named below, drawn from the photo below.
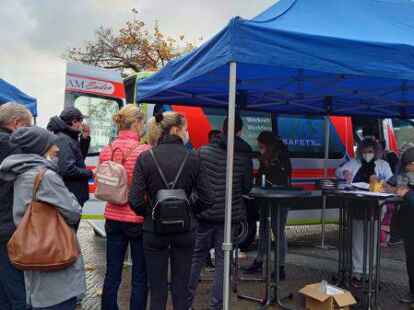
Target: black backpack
(171, 211)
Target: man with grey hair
(12, 288)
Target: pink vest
(127, 140)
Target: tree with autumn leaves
(133, 48)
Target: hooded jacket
(214, 159)
(72, 158)
(44, 289)
(7, 226)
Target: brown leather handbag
(43, 241)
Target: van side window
(253, 123)
(305, 137)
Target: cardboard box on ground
(333, 299)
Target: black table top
(275, 193)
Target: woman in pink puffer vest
(123, 226)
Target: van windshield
(98, 114)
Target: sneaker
(255, 267)
(407, 299)
(396, 242)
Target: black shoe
(395, 242)
(282, 274)
(407, 299)
(254, 268)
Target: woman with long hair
(276, 166)
(169, 132)
(123, 227)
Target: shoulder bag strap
(180, 170)
(159, 169)
(37, 182)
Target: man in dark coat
(12, 288)
(210, 231)
(73, 143)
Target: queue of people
(161, 175)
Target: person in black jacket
(276, 166)
(403, 184)
(12, 288)
(73, 142)
(210, 230)
(171, 128)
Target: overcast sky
(35, 34)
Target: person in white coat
(357, 170)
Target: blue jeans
(66, 305)
(118, 236)
(12, 288)
(207, 236)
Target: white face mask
(52, 159)
(368, 157)
(186, 138)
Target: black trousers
(409, 254)
(159, 251)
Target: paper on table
(372, 194)
(361, 185)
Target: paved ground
(306, 264)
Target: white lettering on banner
(302, 142)
(85, 84)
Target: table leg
(349, 239)
(366, 223)
(371, 254)
(340, 246)
(378, 260)
(268, 298)
(277, 262)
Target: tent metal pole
(227, 245)
(325, 175)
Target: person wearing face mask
(122, 226)
(210, 230)
(361, 169)
(12, 291)
(168, 131)
(403, 184)
(52, 290)
(276, 166)
(74, 140)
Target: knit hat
(33, 140)
(408, 157)
(71, 114)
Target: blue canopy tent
(9, 92)
(327, 57)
